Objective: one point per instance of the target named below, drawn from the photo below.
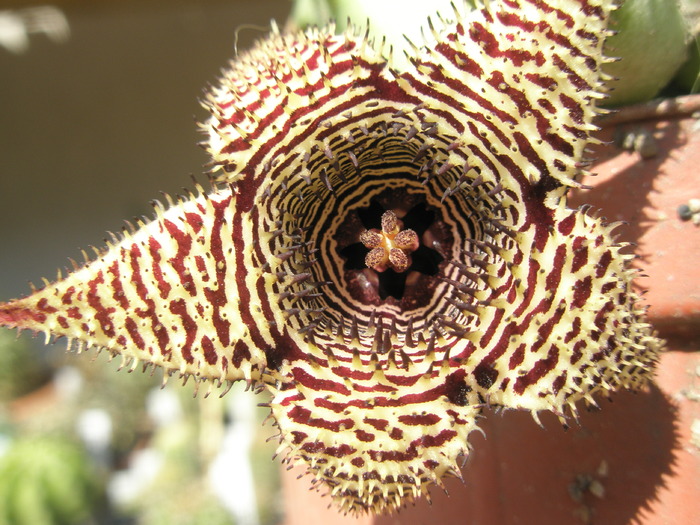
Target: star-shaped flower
(498, 293)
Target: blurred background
(98, 103)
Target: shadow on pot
(607, 469)
(624, 179)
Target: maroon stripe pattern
(511, 300)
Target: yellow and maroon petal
(379, 389)
(516, 82)
(173, 293)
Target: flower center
(399, 262)
(391, 246)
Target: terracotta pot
(632, 461)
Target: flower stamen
(391, 246)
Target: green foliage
(22, 368)
(47, 481)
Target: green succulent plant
(47, 481)
(688, 78)
(651, 42)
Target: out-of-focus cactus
(21, 368)
(651, 42)
(688, 77)
(47, 481)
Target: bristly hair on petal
(388, 252)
